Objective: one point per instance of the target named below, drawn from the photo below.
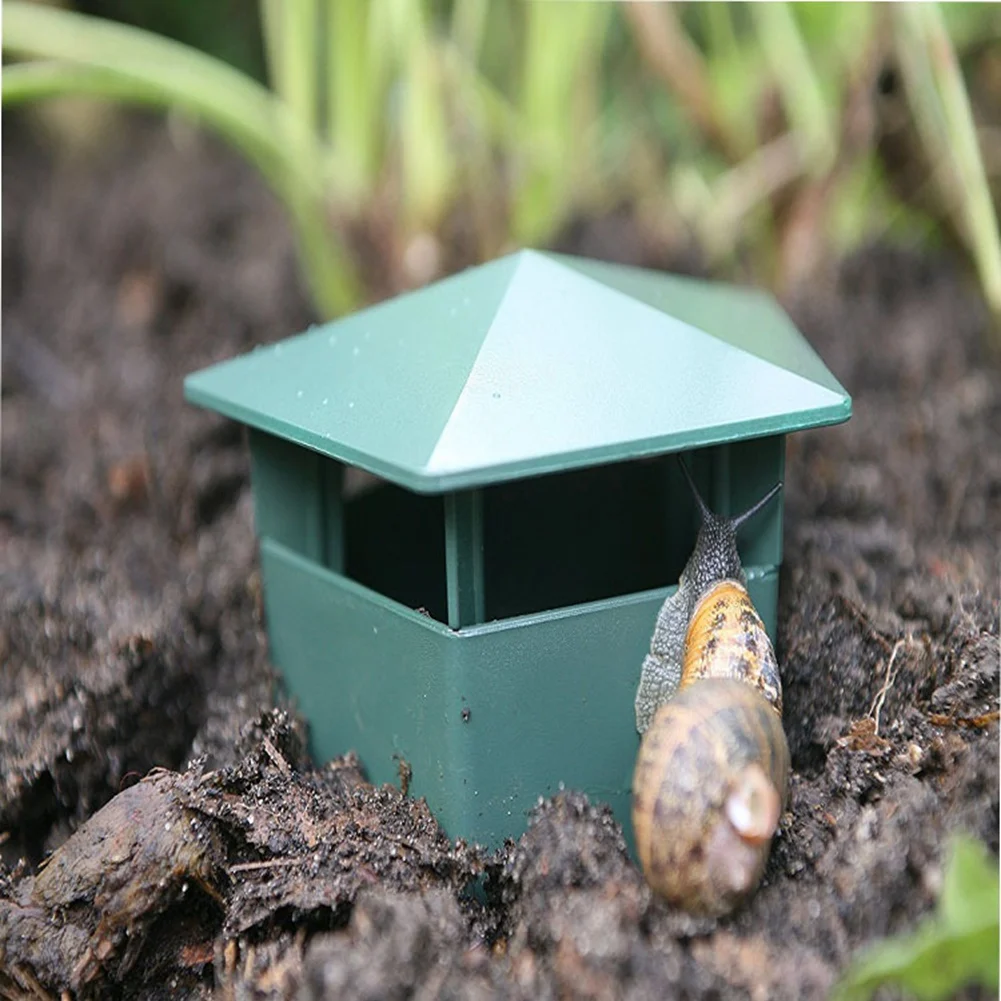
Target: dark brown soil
(131, 639)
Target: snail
(711, 775)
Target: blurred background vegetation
(768, 139)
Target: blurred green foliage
(773, 137)
(956, 946)
(227, 29)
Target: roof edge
(422, 481)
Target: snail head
(715, 556)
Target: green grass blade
(127, 64)
(38, 80)
(427, 157)
(271, 37)
(937, 60)
(468, 26)
(240, 108)
(671, 54)
(488, 122)
(497, 115)
(291, 42)
(357, 78)
(802, 95)
(562, 46)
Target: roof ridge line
(519, 264)
(749, 290)
(676, 319)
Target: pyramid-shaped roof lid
(529, 364)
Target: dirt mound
(131, 637)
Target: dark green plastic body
(490, 711)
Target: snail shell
(711, 777)
(708, 790)
(727, 639)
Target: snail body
(711, 776)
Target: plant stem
(802, 96)
(976, 207)
(355, 71)
(291, 29)
(562, 40)
(469, 20)
(669, 52)
(427, 157)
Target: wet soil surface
(164, 832)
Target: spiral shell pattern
(709, 787)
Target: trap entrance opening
(582, 536)
(395, 544)
(547, 542)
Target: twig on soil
(27, 981)
(276, 863)
(229, 956)
(974, 722)
(954, 500)
(891, 676)
(877, 704)
(276, 756)
(305, 825)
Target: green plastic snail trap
(479, 604)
